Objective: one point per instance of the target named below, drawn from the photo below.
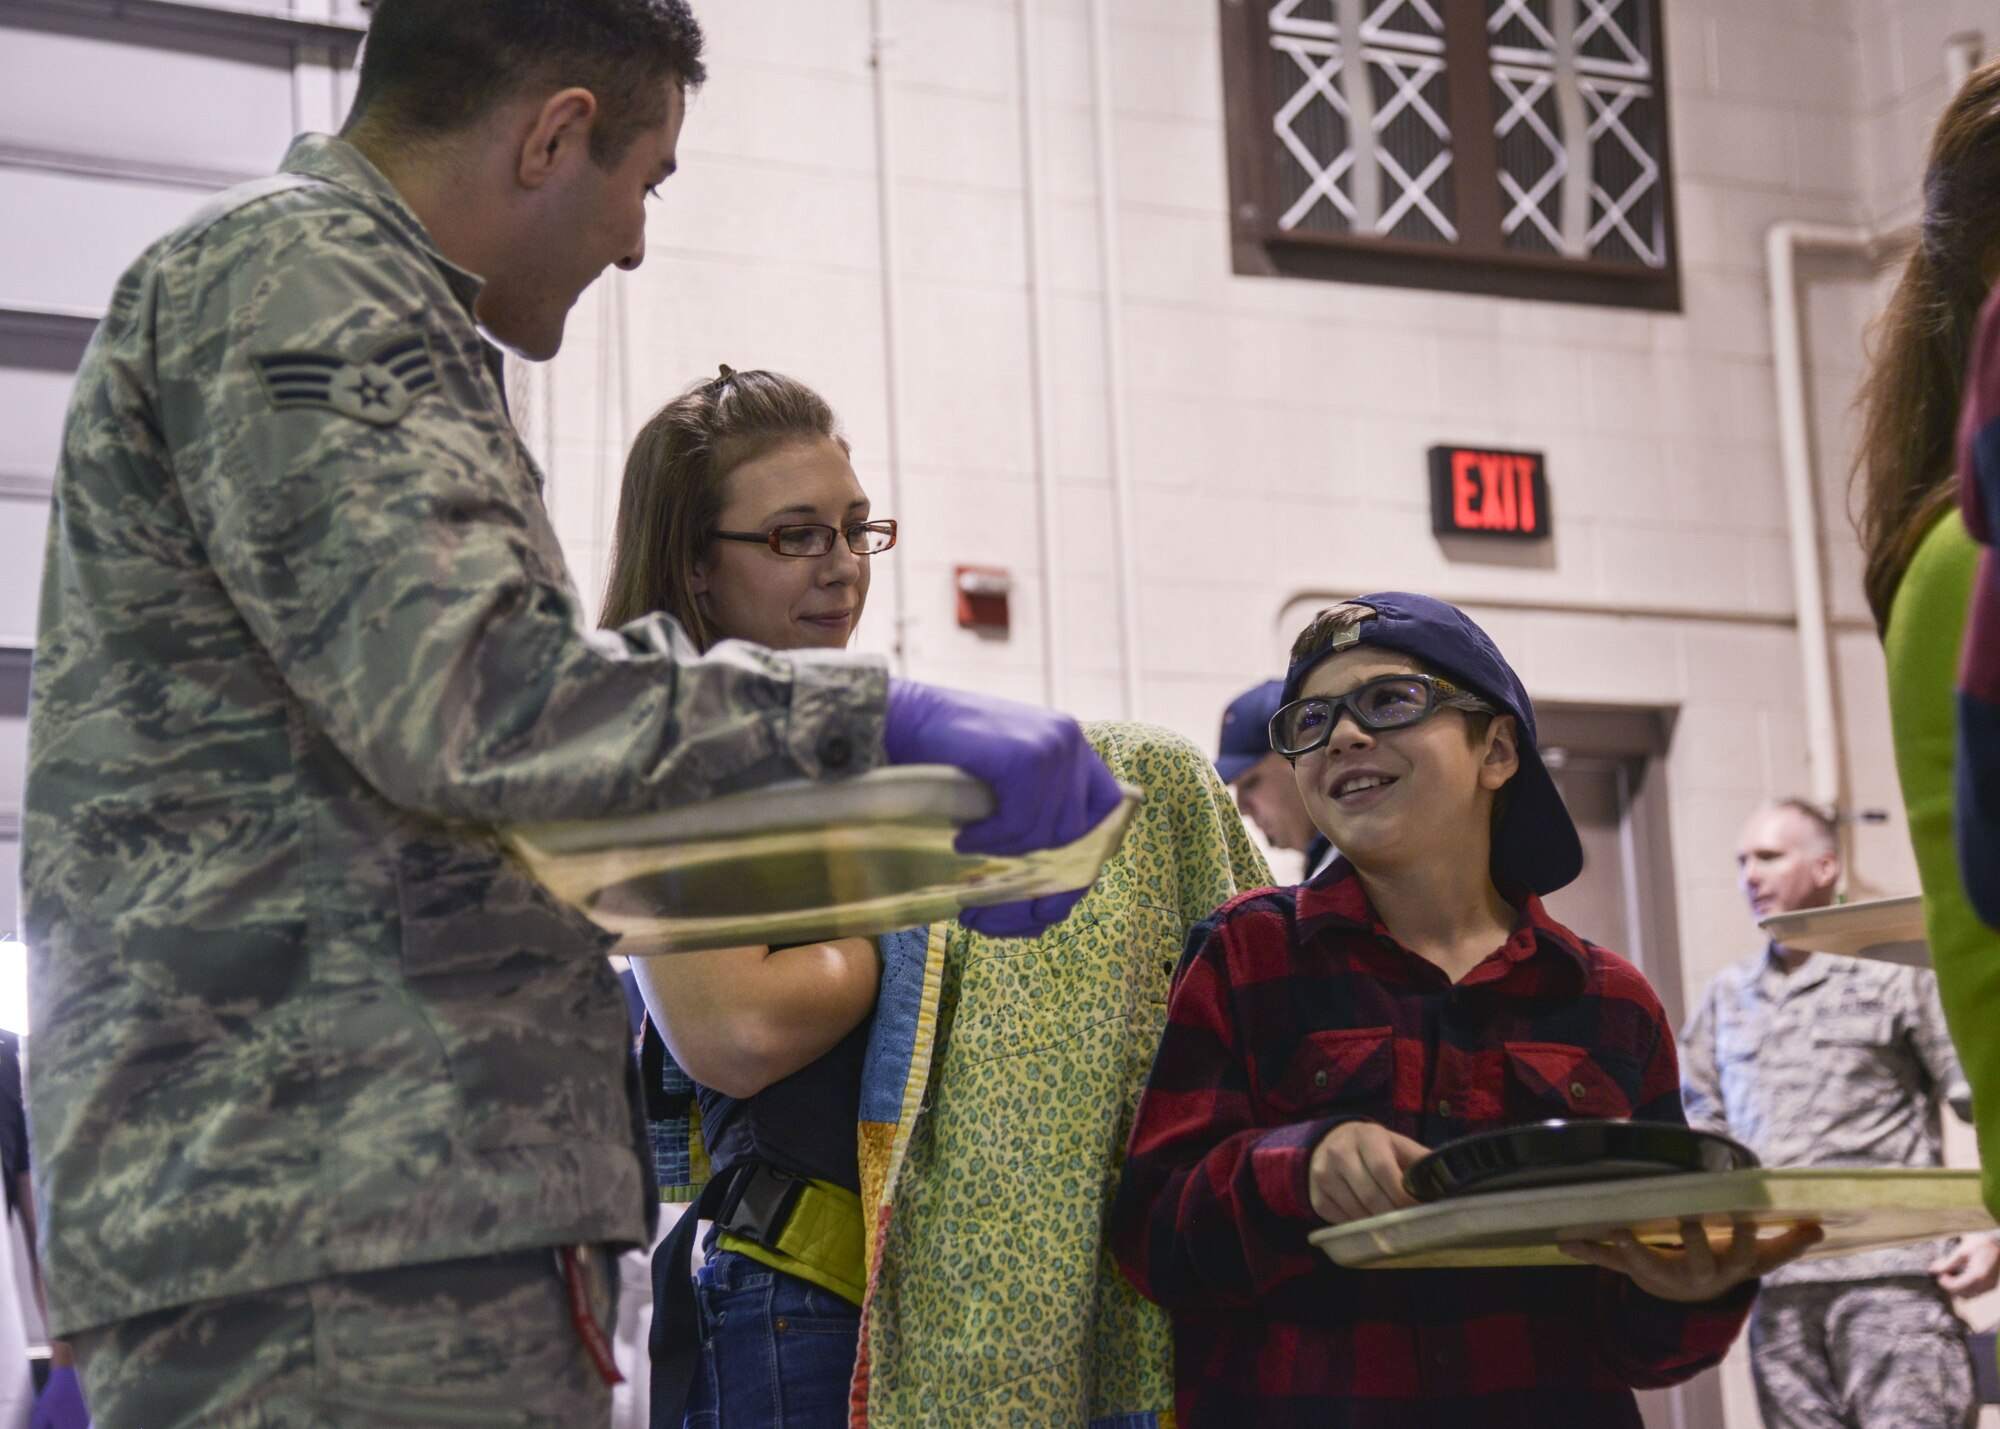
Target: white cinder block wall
(1277, 428)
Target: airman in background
(1814, 1060)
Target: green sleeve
(1926, 626)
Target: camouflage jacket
(1841, 1062)
(306, 635)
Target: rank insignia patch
(378, 389)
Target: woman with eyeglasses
(741, 516)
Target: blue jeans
(777, 1352)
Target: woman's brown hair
(1910, 400)
(671, 498)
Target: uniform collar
(1336, 899)
(1772, 977)
(337, 162)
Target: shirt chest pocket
(1349, 1069)
(1557, 1081)
(1847, 1044)
(1854, 1029)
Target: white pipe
(1300, 605)
(1783, 244)
(1962, 54)
(1111, 283)
(881, 49)
(1040, 362)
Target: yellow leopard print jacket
(998, 1095)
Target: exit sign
(1476, 491)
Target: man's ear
(1502, 760)
(560, 126)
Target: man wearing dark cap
(1321, 1039)
(1261, 779)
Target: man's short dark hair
(431, 68)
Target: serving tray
(800, 861)
(1860, 1209)
(1889, 930)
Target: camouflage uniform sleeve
(1932, 1040)
(376, 522)
(1701, 1082)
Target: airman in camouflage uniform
(1829, 1061)
(305, 632)
(306, 638)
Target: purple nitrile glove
(1049, 787)
(61, 1403)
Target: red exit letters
(1477, 492)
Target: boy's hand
(1692, 1273)
(1357, 1172)
(1971, 1268)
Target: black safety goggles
(1391, 702)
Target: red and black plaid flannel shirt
(1295, 1010)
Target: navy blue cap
(1246, 729)
(1535, 843)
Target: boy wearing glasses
(1321, 1038)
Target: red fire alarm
(982, 598)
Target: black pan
(1563, 1153)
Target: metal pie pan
(1564, 1153)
